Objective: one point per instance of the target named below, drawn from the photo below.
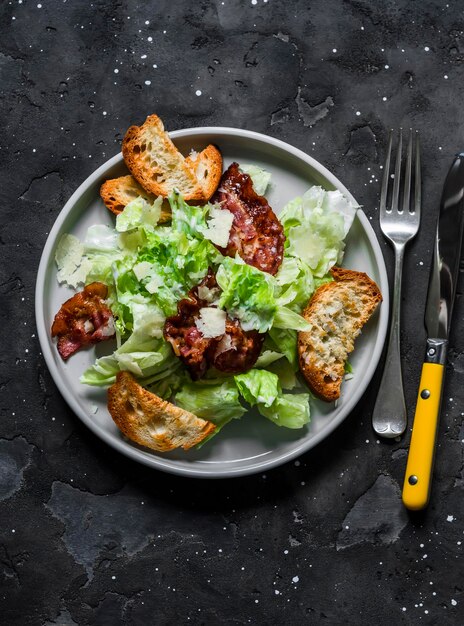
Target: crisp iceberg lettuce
(290, 410)
(216, 402)
(295, 282)
(247, 294)
(260, 178)
(262, 388)
(258, 387)
(315, 226)
(188, 219)
(139, 212)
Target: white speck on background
(453, 602)
(358, 113)
(150, 39)
(334, 50)
(198, 92)
(148, 82)
(144, 56)
(427, 49)
(445, 76)
(295, 579)
(116, 71)
(254, 2)
(450, 518)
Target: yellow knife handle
(418, 478)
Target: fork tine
(407, 172)
(417, 177)
(396, 182)
(386, 173)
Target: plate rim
(200, 469)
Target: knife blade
(440, 300)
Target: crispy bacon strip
(82, 320)
(256, 233)
(234, 352)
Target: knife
(440, 300)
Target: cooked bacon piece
(186, 340)
(256, 233)
(82, 320)
(234, 352)
(238, 350)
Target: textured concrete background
(89, 537)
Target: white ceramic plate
(251, 444)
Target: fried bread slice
(118, 192)
(337, 312)
(151, 421)
(156, 164)
(207, 167)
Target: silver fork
(399, 225)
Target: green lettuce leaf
(262, 388)
(260, 178)
(187, 219)
(247, 294)
(139, 212)
(286, 318)
(290, 410)
(215, 402)
(315, 226)
(258, 387)
(286, 342)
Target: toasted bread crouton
(337, 312)
(118, 192)
(150, 421)
(207, 167)
(154, 161)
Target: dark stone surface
(89, 537)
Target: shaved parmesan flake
(224, 346)
(205, 293)
(72, 267)
(219, 225)
(154, 284)
(212, 322)
(141, 270)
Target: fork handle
(389, 418)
